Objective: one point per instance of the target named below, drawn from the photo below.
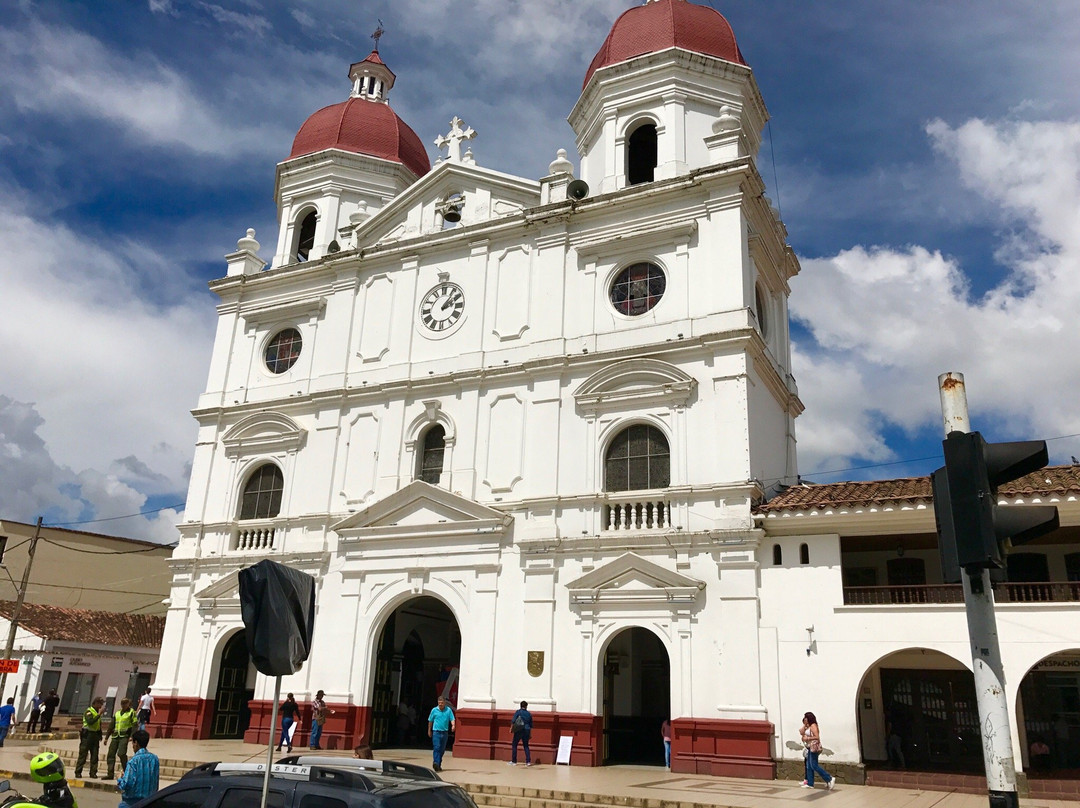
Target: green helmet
(47, 768)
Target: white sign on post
(563, 755)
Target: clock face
(442, 307)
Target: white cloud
(251, 23)
(114, 376)
(72, 76)
(162, 7)
(887, 321)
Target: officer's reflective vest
(91, 720)
(124, 720)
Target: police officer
(123, 722)
(90, 738)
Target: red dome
(667, 24)
(365, 127)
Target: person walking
(289, 709)
(319, 714)
(146, 709)
(7, 718)
(440, 723)
(90, 738)
(48, 709)
(140, 777)
(521, 726)
(35, 713)
(123, 723)
(665, 733)
(811, 736)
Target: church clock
(442, 307)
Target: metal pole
(270, 745)
(995, 732)
(19, 603)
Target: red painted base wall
(722, 747)
(193, 718)
(698, 746)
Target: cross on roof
(452, 141)
(378, 35)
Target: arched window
(262, 494)
(761, 311)
(430, 464)
(777, 555)
(641, 155)
(637, 459)
(305, 241)
(804, 553)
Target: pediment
(227, 587)
(640, 382)
(485, 195)
(633, 579)
(263, 432)
(421, 510)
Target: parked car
(307, 781)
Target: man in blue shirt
(7, 718)
(440, 723)
(140, 777)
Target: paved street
(633, 782)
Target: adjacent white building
(535, 440)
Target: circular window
(638, 288)
(283, 350)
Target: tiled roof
(1050, 481)
(654, 27)
(87, 626)
(364, 126)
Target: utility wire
(113, 518)
(109, 552)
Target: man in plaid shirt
(140, 777)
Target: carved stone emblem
(535, 663)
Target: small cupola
(371, 78)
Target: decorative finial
(378, 35)
(560, 165)
(248, 242)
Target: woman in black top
(289, 709)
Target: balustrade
(255, 537)
(1066, 592)
(637, 515)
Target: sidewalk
(635, 783)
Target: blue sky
(927, 165)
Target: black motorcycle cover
(277, 605)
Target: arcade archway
(636, 697)
(417, 660)
(917, 710)
(235, 688)
(1048, 714)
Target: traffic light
(965, 497)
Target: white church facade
(535, 440)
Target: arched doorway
(235, 688)
(636, 697)
(917, 710)
(417, 660)
(1048, 714)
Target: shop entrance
(636, 697)
(418, 658)
(235, 688)
(924, 716)
(1049, 712)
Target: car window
(321, 801)
(181, 798)
(432, 798)
(251, 798)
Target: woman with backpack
(521, 726)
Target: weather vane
(378, 35)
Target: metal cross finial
(378, 35)
(452, 141)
